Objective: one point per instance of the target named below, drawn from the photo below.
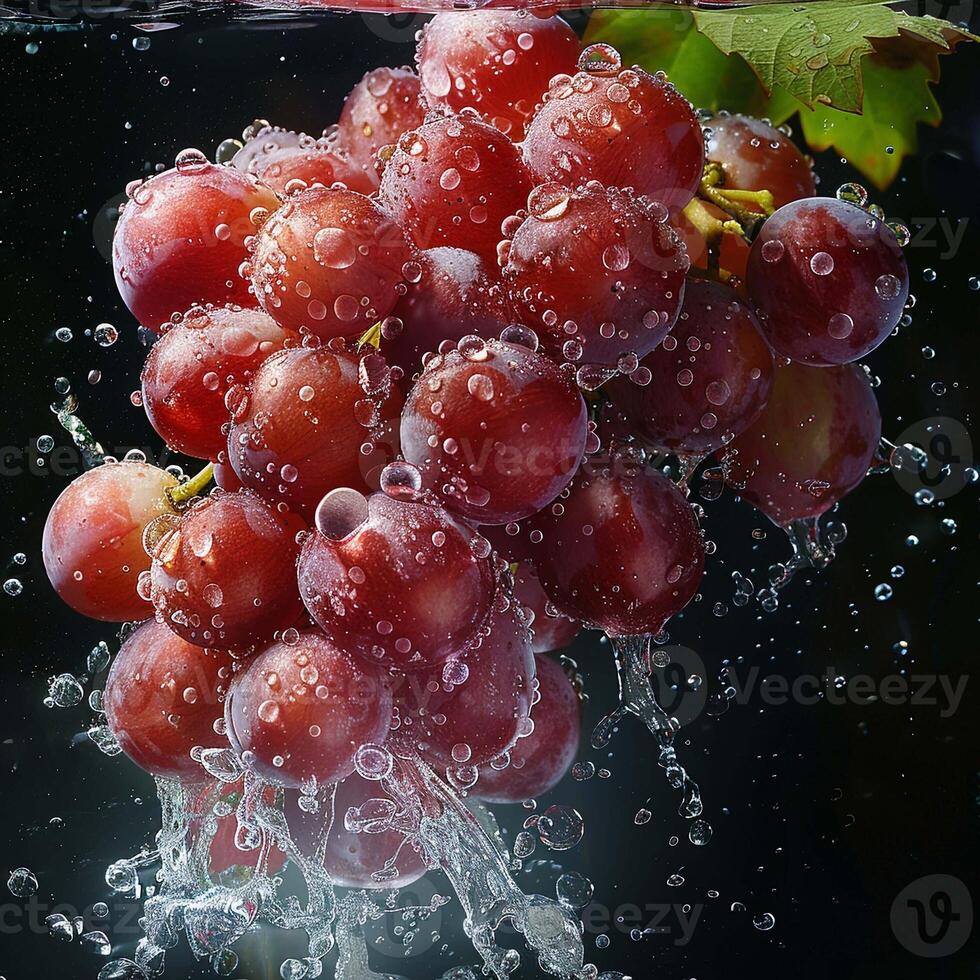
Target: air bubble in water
(560, 827)
(764, 922)
(574, 890)
(106, 334)
(13, 586)
(22, 883)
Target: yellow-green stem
(183, 492)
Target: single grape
(496, 429)
(301, 710)
(191, 368)
(398, 583)
(622, 127)
(328, 260)
(225, 477)
(622, 551)
(93, 538)
(222, 576)
(162, 698)
(181, 237)
(301, 426)
(709, 378)
(473, 708)
(813, 443)
(756, 156)
(354, 857)
(455, 297)
(828, 281)
(597, 272)
(551, 629)
(498, 62)
(452, 182)
(279, 157)
(381, 106)
(540, 760)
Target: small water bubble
(947, 525)
(63, 334)
(141, 43)
(105, 334)
(699, 832)
(883, 592)
(764, 922)
(64, 691)
(929, 275)
(574, 890)
(13, 586)
(97, 943)
(560, 827)
(22, 883)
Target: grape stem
(371, 337)
(183, 492)
(735, 203)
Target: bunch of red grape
(449, 334)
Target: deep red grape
(93, 538)
(226, 478)
(496, 429)
(622, 551)
(328, 260)
(813, 443)
(828, 280)
(301, 709)
(190, 369)
(598, 272)
(498, 62)
(452, 182)
(476, 706)
(456, 296)
(163, 697)
(222, 575)
(756, 156)
(709, 378)
(395, 582)
(381, 106)
(180, 239)
(551, 629)
(622, 127)
(302, 425)
(540, 760)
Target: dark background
(822, 813)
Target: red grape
(452, 182)
(163, 697)
(498, 62)
(828, 280)
(541, 759)
(394, 581)
(551, 629)
(477, 706)
(598, 272)
(622, 127)
(456, 297)
(310, 161)
(93, 538)
(709, 379)
(226, 478)
(381, 106)
(813, 443)
(300, 710)
(496, 429)
(190, 369)
(328, 260)
(622, 551)
(756, 156)
(181, 238)
(223, 575)
(299, 428)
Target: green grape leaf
(815, 51)
(896, 98)
(665, 40)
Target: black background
(822, 813)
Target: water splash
(637, 697)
